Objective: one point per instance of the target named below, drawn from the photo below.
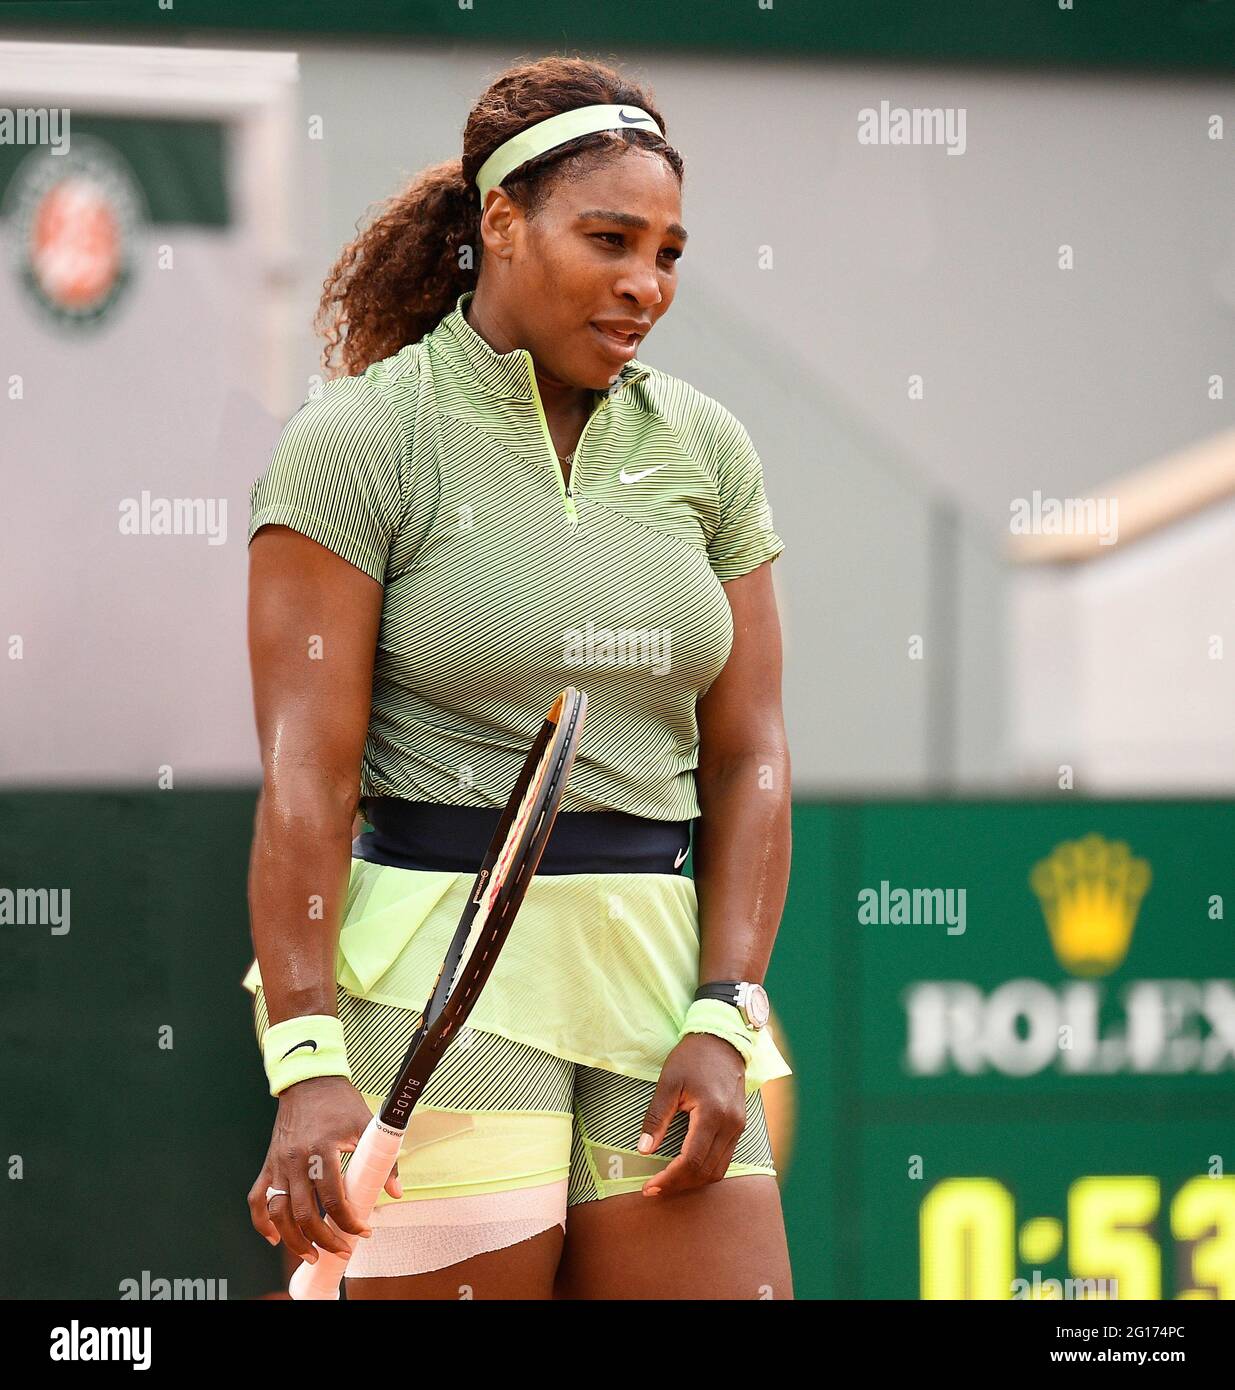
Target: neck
(559, 398)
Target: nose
(640, 285)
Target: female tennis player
(490, 500)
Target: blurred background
(968, 280)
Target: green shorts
(497, 1115)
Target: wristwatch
(750, 1000)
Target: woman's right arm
(313, 626)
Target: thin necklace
(569, 458)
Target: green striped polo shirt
(433, 471)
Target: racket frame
(450, 1000)
(377, 1149)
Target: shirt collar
(501, 373)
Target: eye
(618, 239)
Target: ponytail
(403, 273)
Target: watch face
(758, 1007)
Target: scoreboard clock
(1122, 1236)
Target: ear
(499, 220)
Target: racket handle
(363, 1182)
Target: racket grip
(366, 1175)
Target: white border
(124, 77)
(256, 93)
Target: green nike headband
(547, 134)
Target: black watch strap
(724, 990)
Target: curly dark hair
(403, 273)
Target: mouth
(620, 345)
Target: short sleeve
(337, 475)
(745, 537)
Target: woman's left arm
(741, 868)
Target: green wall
(1171, 33)
(137, 1157)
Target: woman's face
(596, 265)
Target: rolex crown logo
(1090, 891)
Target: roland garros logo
(72, 220)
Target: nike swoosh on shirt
(681, 858)
(308, 1042)
(634, 477)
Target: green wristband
(722, 1021)
(300, 1048)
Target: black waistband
(431, 835)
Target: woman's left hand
(706, 1077)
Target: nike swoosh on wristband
(680, 859)
(308, 1042)
(634, 477)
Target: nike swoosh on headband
(634, 477)
(634, 120)
(308, 1042)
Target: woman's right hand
(318, 1120)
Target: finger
(333, 1197)
(687, 1170)
(258, 1214)
(314, 1224)
(664, 1106)
(393, 1186)
(280, 1209)
(721, 1157)
(729, 1127)
(295, 1215)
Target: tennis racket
(511, 860)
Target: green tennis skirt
(561, 1053)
